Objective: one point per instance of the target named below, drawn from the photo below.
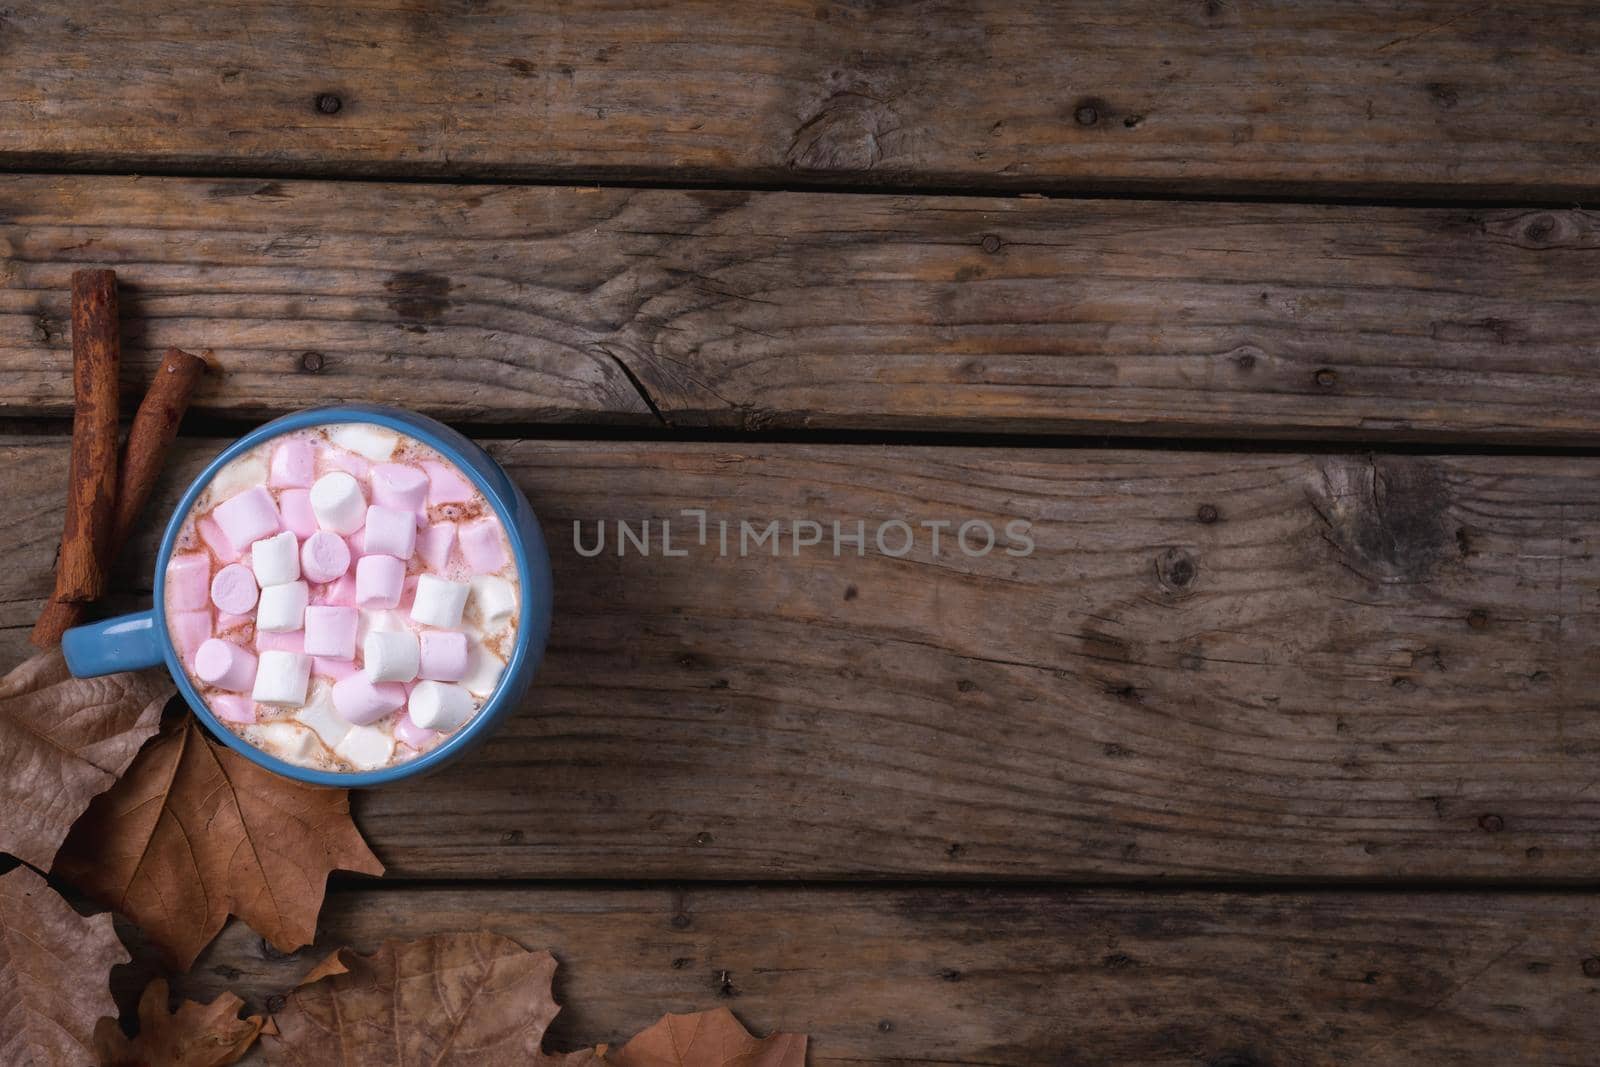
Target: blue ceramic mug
(131, 642)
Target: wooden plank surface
(1012, 977)
(1440, 97)
(1266, 666)
(762, 310)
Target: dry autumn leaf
(64, 741)
(196, 1035)
(194, 832)
(468, 998)
(706, 1039)
(54, 969)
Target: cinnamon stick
(92, 484)
(155, 424)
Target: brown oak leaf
(64, 741)
(54, 974)
(194, 832)
(466, 998)
(706, 1039)
(196, 1035)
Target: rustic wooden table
(1278, 321)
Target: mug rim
(411, 424)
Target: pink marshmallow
(349, 462)
(434, 545)
(226, 622)
(225, 665)
(190, 630)
(379, 581)
(295, 507)
(482, 546)
(341, 591)
(248, 517)
(445, 485)
(189, 581)
(234, 589)
(331, 631)
(294, 463)
(337, 669)
(394, 485)
(230, 708)
(408, 595)
(280, 640)
(361, 702)
(324, 557)
(389, 532)
(216, 540)
(442, 655)
(410, 734)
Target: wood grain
(1012, 977)
(1219, 666)
(1440, 98)
(771, 310)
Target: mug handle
(125, 643)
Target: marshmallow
(285, 641)
(445, 485)
(410, 734)
(294, 463)
(394, 485)
(283, 607)
(442, 655)
(440, 706)
(494, 599)
(320, 716)
(324, 557)
(248, 517)
(366, 748)
(231, 708)
(293, 743)
(482, 546)
(294, 506)
(276, 559)
(216, 540)
(189, 631)
(390, 656)
(342, 591)
(483, 670)
(189, 581)
(234, 589)
(439, 602)
(360, 702)
(434, 545)
(378, 581)
(337, 669)
(225, 665)
(364, 440)
(282, 677)
(226, 622)
(389, 532)
(331, 631)
(236, 477)
(337, 502)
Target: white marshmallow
(276, 559)
(483, 670)
(367, 747)
(494, 599)
(390, 657)
(281, 678)
(439, 602)
(236, 477)
(320, 716)
(338, 504)
(286, 740)
(282, 608)
(367, 441)
(440, 706)
(378, 622)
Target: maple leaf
(196, 1035)
(194, 832)
(64, 741)
(466, 998)
(54, 971)
(706, 1039)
